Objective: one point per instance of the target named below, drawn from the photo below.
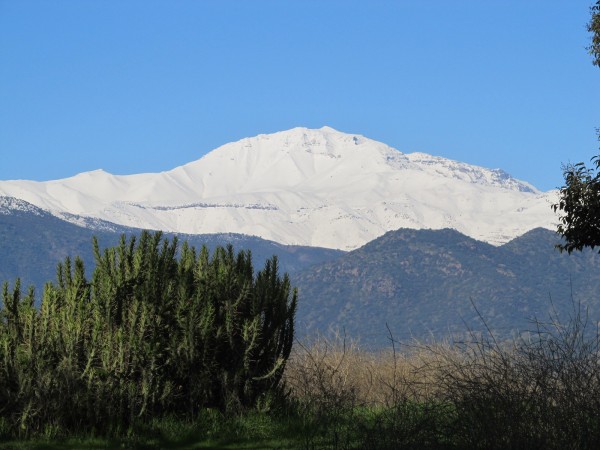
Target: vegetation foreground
(174, 348)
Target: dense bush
(156, 332)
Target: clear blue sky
(144, 86)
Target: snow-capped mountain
(302, 186)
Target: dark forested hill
(424, 283)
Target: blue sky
(144, 86)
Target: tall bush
(157, 330)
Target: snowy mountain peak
(319, 187)
(295, 157)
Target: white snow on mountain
(9, 205)
(316, 187)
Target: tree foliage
(594, 28)
(580, 203)
(580, 196)
(156, 331)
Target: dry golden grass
(338, 368)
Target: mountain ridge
(312, 187)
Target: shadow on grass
(253, 432)
(190, 443)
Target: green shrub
(155, 332)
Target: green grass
(354, 428)
(252, 431)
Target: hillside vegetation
(423, 284)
